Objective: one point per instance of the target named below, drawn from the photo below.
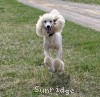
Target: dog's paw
(48, 61)
(58, 66)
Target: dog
(50, 26)
(54, 65)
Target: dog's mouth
(48, 28)
(49, 31)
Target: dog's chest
(52, 42)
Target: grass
(21, 56)
(97, 2)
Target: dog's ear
(55, 18)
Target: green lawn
(21, 56)
(86, 1)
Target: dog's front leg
(46, 52)
(46, 48)
(59, 53)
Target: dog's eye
(50, 21)
(45, 21)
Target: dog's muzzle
(48, 28)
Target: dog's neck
(51, 34)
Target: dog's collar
(51, 34)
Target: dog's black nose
(48, 26)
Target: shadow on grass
(60, 81)
(59, 84)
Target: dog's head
(50, 23)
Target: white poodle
(54, 65)
(50, 26)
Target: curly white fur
(54, 65)
(54, 15)
(52, 34)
